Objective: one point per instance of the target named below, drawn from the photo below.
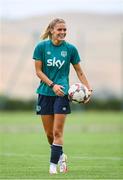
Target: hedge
(7, 103)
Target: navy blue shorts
(48, 105)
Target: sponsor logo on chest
(55, 62)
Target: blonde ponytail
(47, 33)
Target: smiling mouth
(62, 36)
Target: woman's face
(59, 32)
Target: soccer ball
(78, 92)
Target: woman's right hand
(58, 89)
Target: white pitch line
(71, 157)
(97, 158)
(21, 155)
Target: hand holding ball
(78, 92)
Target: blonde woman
(52, 58)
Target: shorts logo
(63, 53)
(38, 108)
(64, 108)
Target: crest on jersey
(63, 53)
(48, 52)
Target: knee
(57, 133)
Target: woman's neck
(56, 42)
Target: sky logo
(55, 62)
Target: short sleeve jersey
(56, 64)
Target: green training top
(56, 64)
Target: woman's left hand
(89, 96)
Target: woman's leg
(58, 132)
(56, 150)
(48, 121)
(58, 128)
(54, 127)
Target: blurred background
(93, 132)
(94, 26)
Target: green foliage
(105, 104)
(100, 104)
(7, 103)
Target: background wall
(99, 41)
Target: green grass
(93, 142)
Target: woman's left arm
(82, 77)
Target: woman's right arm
(40, 74)
(56, 88)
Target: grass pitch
(93, 142)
